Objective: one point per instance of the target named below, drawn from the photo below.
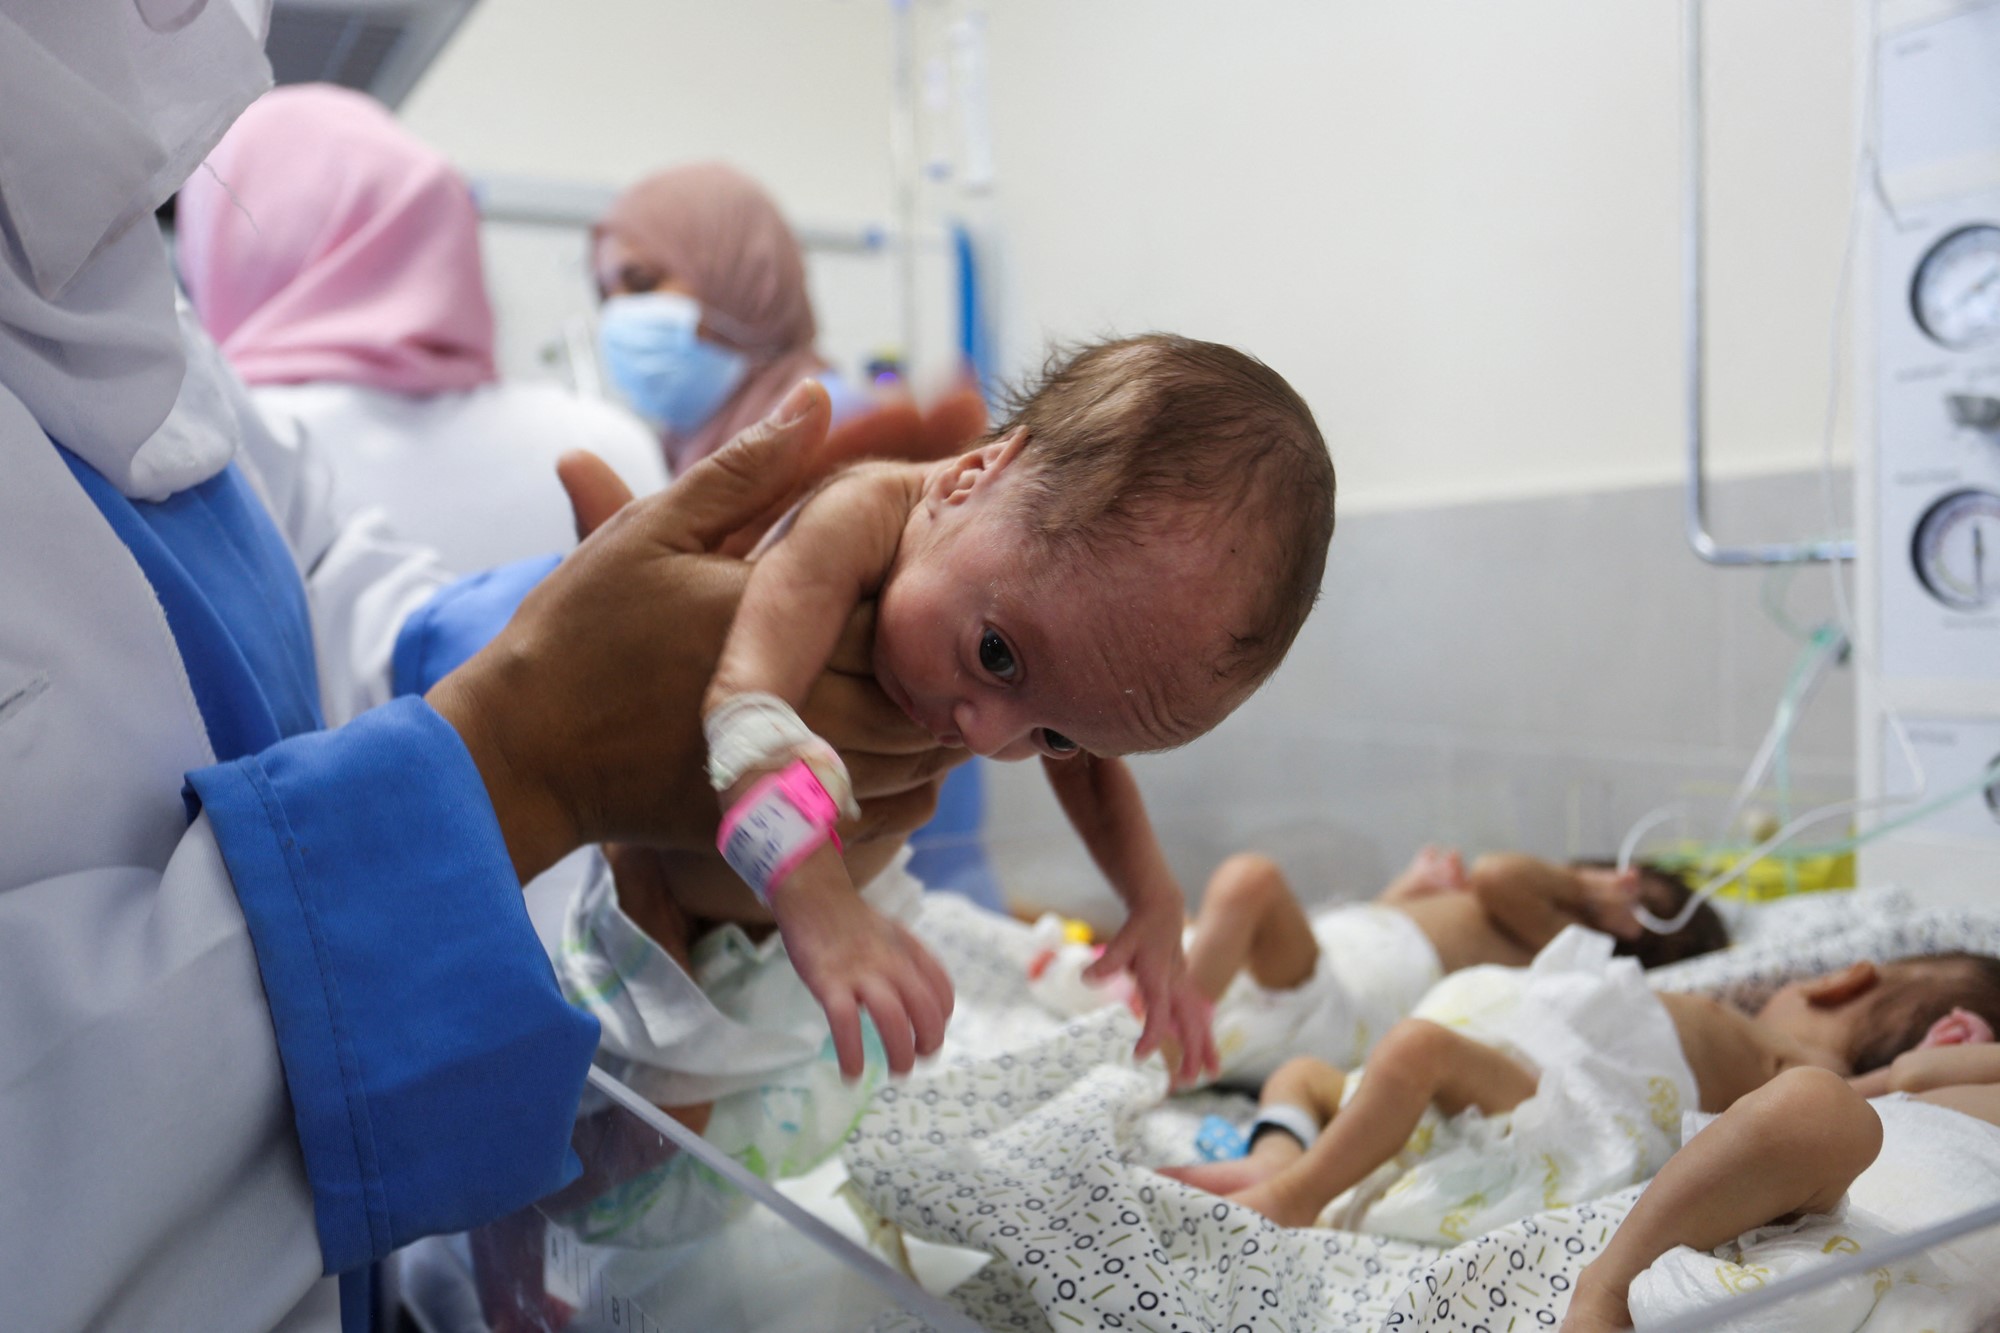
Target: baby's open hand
(852, 958)
(1149, 947)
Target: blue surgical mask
(668, 372)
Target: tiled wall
(1531, 674)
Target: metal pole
(1693, 287)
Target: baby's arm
(802, 590)
(1933, 1067)
(1103, 804)
(798, 597)
(1533, 900)
(1792, 1146)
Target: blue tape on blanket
(1219, 1141)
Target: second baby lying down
(1331, 982)
(1561, 1082)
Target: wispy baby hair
(1915, 993)
(1163, 435)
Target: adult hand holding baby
(896, 426)
(583, 713)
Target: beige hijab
(715, 229)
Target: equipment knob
(1974, 411)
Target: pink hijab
(715, 229)
(350, 251)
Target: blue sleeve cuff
(459, 620)
(433, 1065)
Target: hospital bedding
(1023, 1142)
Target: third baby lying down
(1515, 1090)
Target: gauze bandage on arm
(760, 732)
(789, 812)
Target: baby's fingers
(892, 1023)
(935, 978)
(1158, 1020)
(1197, 1035)
(844, 1020)
(1117, 956)
(927, 995)
(927, 1017)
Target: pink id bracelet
(779, 822)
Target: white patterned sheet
(1031, 1141)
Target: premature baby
(1579, 1075)
(1112, 572)
(1330, 983)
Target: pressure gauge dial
(1957, 550)
(1956, 293)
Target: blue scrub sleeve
(459, 620)
(433, 1064)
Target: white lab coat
(470, 475)
(150, 1174)
(162, 1164)
(140, 1084)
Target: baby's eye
(996, 656)
(1057, 743)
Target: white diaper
(1606, 1111)
(1374, 965)
(742, 1032)
(1935, 1164)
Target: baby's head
(1662, 893)
(1868, 1014)
(1119, 565)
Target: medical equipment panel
(1927, 455)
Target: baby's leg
(1419, 1064)
(1249, 918)
(1311, 1085)
(1792, 1146)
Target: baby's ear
(967, 471)
(1837, 988)
(1005, 450)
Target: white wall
(794, 91)
(1453, 223)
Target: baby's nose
(987, 731)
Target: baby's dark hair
(1915, 993)
(1121, 432)
(1664, 894)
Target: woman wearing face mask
(706, 319)
(335, 260)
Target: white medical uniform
(472, 475)
(244, 1048)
